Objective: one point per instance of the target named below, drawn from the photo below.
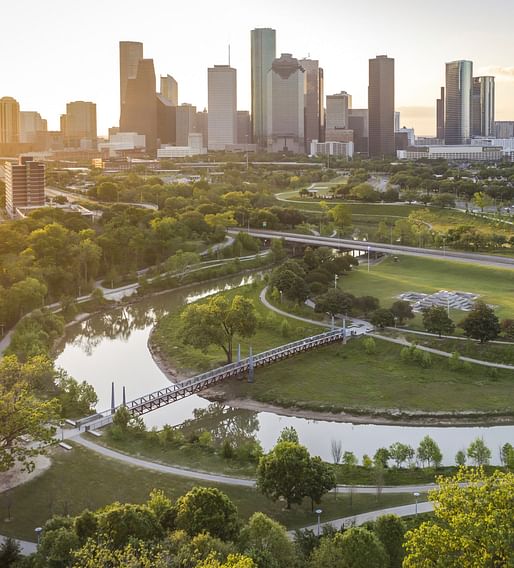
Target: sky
(59, 51)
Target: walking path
(26, 547)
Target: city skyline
(73, 61)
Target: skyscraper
(169, 89)
(185, 124)
(314, 110)
(24, 184)
(80, 125)
(285, 107)
(263, 55)
(482, 108)
(457, 106)
(440, 116)
(166, 120)
(9, 121)
(31, 126)
(381, 106)
(337, 110)
(244, 127)
(358, 121)
(222, 106)
(139, 111)
(131, 53)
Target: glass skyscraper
(381, 107)
(458, 97)
(263, 55)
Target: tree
(288, 434)
(507, 455)
(355, 548)
(382, 318)
(436, 320)
(381, 457)
(233, 561)
(267, 542)
(207, 509)
(390, 530)
(349, 459)
(400, 453)
(460, 458)
(334, 302)
(479, 452)
(57, 546)
(481, 323)
(472, 526)
(367, 304)
(481, 200)
(336, 447)
(507, 328)
(428, 452)
(217, 322)
(10, 553)
(402, 310)
(283, 472)
(320, 479)
(341, 215)
(134, 555)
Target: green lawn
(81, 479)
(338, 378)
(388, 279)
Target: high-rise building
(381, 107)
(31, 127)
(397, 121)
(457, 106)
(24, 184)
(169, 89)
(244, 127)
(358, 121)
(186, 123)
(504, 129)
(440, 116)
(222, 106)
(166, 120)
(139, 111)
(202, 126)
(337, 110)
(9, 121)
(131, 53)
(263, 55)
(314, 96)
(482, 106)
(285, 106)
(78, 125)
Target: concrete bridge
(194, 385)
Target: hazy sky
(58, 51)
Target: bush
(369, 345)
(454, 362)
(227, 451)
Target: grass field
(339, 378)
(81, 479)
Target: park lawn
(345, 378)
(388, 279)
(81, 479)
(270, 333)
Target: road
(469, 257)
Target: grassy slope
(81, 479)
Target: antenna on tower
(229, 54)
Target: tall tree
(402, 310)
(481, 323)
(436, 320)
(428, 452)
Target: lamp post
(38, 531)
(369, 248)
(336, 278)
(280, 291)
(416, 495)
(318, 512)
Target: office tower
(504, 129)
(202, 125)
(314, 96)
(358, 121)
(139, 111)
(440, 116)
(337, 110)
(482, 106)
(131, 53)
(381, 107)
(79, 125)
(166, 120)
(285, 106)
(9, 121)
(457, 105)
(396, 121)
(186, 123)
(24, 184)
(169, 89)
(263, 55)
(244, 127)
(222, 106)
(31, 127)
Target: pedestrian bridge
(194, 385)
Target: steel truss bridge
(194, 385)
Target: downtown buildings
(381, 107)
(24, 185)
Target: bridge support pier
(124, 397)
(113, 403)
(238, 352)
(250, 366)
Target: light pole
(38, 531)
(318, 512)
(369, 248)
(336, 278)
(280, 291)
(416, 495)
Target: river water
(113, 347)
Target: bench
(65, 446)
(95, 433)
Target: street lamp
(38, 531)
(280, 291)
(369, 248)
(318, 512)
(416, 495)
(336, 278)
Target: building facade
(381, 107)
(244, 127)
(185, 124)
(483, 106)
(337, 110)
(79, 125)
(31, 127)
(24, 184)
(504, 128)
(9, 121)
(286, 103)
(263, 53)
(131, 53)
(440, 116)
(169, 89)
(358, 121)
(222, 106)
(458, 97)
(314, 96)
